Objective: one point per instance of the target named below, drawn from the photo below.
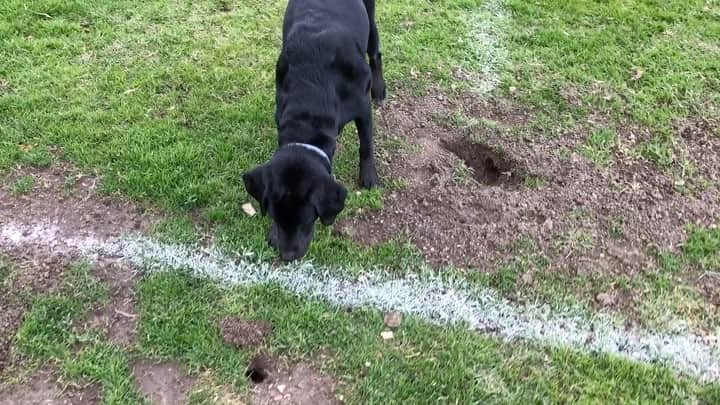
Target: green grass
(171, 101)
(49, 333)
(591, 48)
(426, 364)
(23, 185)
(599, 146)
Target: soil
(65, 198)
(32, 273)
(117, 319)
(43, 388)
(68, 200)
(244, 333)
(299, 384)
(163, 383)
(527, 184)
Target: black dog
(322, 81)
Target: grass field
(163, 104)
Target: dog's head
(294, 190)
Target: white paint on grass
(433, 299)
(485, 38)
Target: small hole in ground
(258, 370)
(489, 166)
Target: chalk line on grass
(485, 36)
(439, 301)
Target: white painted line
(430, 298)
(486, 41)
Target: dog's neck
(313, 149)
(319, 146)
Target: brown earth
(299, 384)
(117, 319)
(528, 184)
(32, 273)
(43, 388)
(244, 333)
(163, 383)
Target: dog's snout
(290, 255)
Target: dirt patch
(32, 273)
(584, 218)
(163, 383)
(117, 319)
(709, 285)
(67, 201)
(299, 384)
(43, 388)
(244, 333)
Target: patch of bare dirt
(68, 200)
(117, 319)
(43, 388)
(299, 384)
(244, 333)
(163, 383)
(527, 185)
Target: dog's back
(322, 75)
(311, 26)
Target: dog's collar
(313, 149)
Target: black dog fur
(322, 82)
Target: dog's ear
(256, 184)
(329, 200)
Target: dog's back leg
(378, 82)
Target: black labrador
(322, 82)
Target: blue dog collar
(311, 148)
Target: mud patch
(299, 384)
(583, 218)
(244, 333)
(163, 383)
(43, 388)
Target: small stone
(281, 388)
(249, 209)
(393, 319)
(387, 335)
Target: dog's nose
(290, 255)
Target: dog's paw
(378, 94)
(369, 178)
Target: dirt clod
(244, 333)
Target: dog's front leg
(368, 173)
